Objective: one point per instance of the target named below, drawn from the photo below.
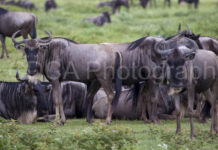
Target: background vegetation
(126, 26)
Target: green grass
(149, 136)
(125, 27)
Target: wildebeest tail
(136, 92)
(118, 80)
(33, 30)
(205, 113)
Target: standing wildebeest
(115, 5)
(21, 101)
(100, 20)
(186, 70)
(139, 64)
(195, 2)
(61, 59)
(10, 22)
(50, 4)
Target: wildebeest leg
(2, 38)
(178, 113)
(145, 97)
(57, 98)
(211, 96)
(191, 96)
(107, 85)
(94, 87)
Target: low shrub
(96, 137)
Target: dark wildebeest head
(39, 92)
(32, 48)
(50, 4)
(107, 16)
(175, 61)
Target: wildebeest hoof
(178, 131)
(89, 120)
(108, 122)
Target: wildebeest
(139, 64)
(22, 100)
(20, 3)
(73, 95)
(10, 22)
(50, 4)
(115, 5)
(61, 59)
(186, 72)
(100, 20)
(26, 4)
(144, 3)
(204, 42)
(195, 2)
(124, 109)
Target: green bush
(97, 137)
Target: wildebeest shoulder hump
(136, 43)
(3, 11)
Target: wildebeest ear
(19, 47)
(190, 56)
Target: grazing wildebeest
(186, 72)
(10, 22)
(115, 5)
(100, 20)
(21, 101)
(50, 4)
(195, 2)
(61, 59)
(26, 4)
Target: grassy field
(126, 26)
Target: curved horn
(179, 28)
(16, 42)
(45, 41)
(161, 52)
(188, 29)
(19, 79)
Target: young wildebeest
(50, 4)
(10, 22)
(100, 20)
(115, 5)
(21, 101)
(189, 70)
(195, 2)
(60, 60)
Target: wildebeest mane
(3, 11)
(136, 43)
(9, 93)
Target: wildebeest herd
(151, 78)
